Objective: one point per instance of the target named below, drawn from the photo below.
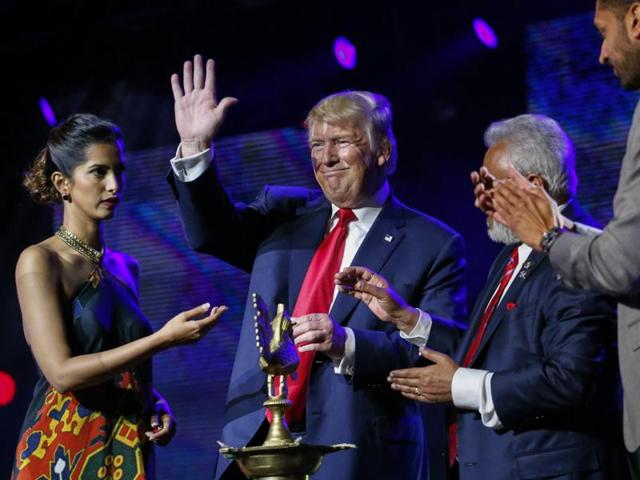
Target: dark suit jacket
(554, 385)
(275, 238)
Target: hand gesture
(525, 208)
(430, 384)
(374, 290)
(198, 113)
(186, 328)
(318, 332)
(483, 183)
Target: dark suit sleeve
(442, 294)
(571, 339)
(215, 225)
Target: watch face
(548, 238)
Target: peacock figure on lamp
(280, 457)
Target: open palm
(199, 116)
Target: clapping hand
(525, 208)
(483, 183)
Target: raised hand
(187, 328)
(374, 290)
(199, 116)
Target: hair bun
(37, 180)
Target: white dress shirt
(471, 387)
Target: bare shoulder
(124, 267)
(40, 258)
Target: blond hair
(371, 110)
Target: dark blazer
(275, 238)
(554, 386)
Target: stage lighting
(345, 53)
(47, 111)
(485, 33)
(7, 388)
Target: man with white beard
(533, 379)
(540, 150)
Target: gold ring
(417, 392)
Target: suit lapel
(512, 294)
(382, 239)
(483, 300)
(308, 232)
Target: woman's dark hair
(65, 150)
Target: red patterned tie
(316, 296)
(507, 273)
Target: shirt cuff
(420, 333)
(466, 387)
(487, 409)
(187, 169)
(344, 366)
(471, 390)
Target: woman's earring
(66, 197)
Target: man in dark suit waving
(533, 380)
(294, 241)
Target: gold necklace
(80, 246)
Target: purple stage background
(439, 122)
(566, 83)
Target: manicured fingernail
(205, 306)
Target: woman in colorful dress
(94, 412)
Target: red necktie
(316, 296)
(507, 273)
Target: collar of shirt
(524, 251)
(365, 215)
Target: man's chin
(630, 84)
(501, 234)
(339, 197)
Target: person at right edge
(608, 261)
(533, 381)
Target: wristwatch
(549, 238)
